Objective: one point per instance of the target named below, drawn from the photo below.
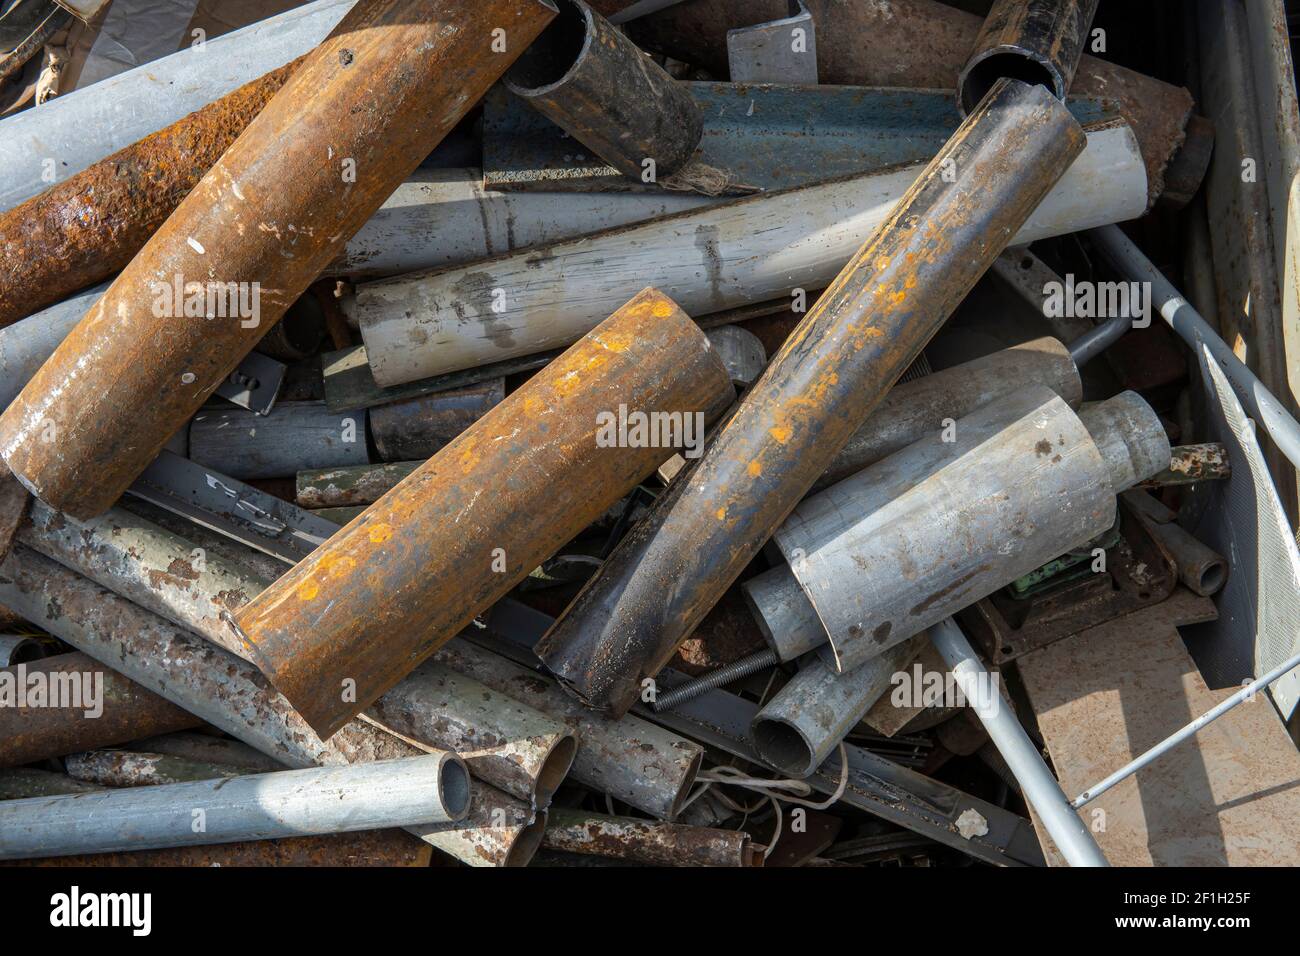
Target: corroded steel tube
(507, 743)
(87, 228)
(643, 765)
(361, 611)
(356, 117)
(125, 711)
(1038, 41)
(648, 841)
(602, 89)
(129, 768)
(497, 831)
(418, 427)
(344, 487)
(425, 789)
(864, 331)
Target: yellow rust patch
(308, 590)
(380, 533)
(722, 514)
(781, 433)
(755, 468)
(662, 309)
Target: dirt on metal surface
(648, 841)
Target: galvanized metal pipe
(19, 783)
(716, 258)
(498, 831)
(636, 762)
(25, 345)
(1038, 41)
(425, 789)
(205, 748)
(914, 538)
(126, 378)
(860, 336)
(798, 728)
(359, 613)
(113, 709)
(86, 228)
(785, 617)
(605, 92)
(1037, 784)
(293, 437)
(80, 128)
(127, 768)
(1258, 401)
(648, 841)
(509, 744)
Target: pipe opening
(688, 783)
(1212, 577)
(982, 76)
(527, 841)
(550, 58)
(454, 787)
(554, 769)
(783, 747)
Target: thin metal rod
(1040, 788)
(716, 678)
(1172, 741)
(1194, 330)
(1095, 341)
(642, 8)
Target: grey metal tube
(132, 768)
(508, 744)
(1258, 401)
(295, 436)
(1091, 344)
(25, 345)
(741, 352)
(785, 617)
(932, 528)
(1039, 787)
(1130, 437)
(426, 789)
(798, 728)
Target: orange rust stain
(755, 468)
(662, 310)
(722, 514)
(308, 590)
(781, 433)
(380, 533)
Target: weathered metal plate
(255, 384)
(778, 51)
(764, 136)
(1230, 796)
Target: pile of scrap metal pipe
(310, 592)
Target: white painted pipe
(265, 806)
(25, 345)
(710, 259)
(61, 137)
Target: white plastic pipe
(715, 258)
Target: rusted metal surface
(126, 768)
(418, 427)
(595, 83)
(920, 44)
(157, 570)
(271, 211)
(205, 748)
(14, 502)
(498, 831)
(1038, 41)
(507, 743)
(863, 333)
(390, 588)
(344, 487)
(636, 762)
(916, 408)
(1202, 570)
(364, 848)
(1192, 463)
(648, 841)
(126, 711)
(87, 228)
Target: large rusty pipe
(114, 709)
(599, 87)
(651, 842)
(918, 44)
(355, 118)
(862, 334)
(88, 227)
(1038, 41)
(405, 577)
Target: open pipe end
(983, 72)
(555, 54)
(554, 769)
(527, 841)
(453, 787)
(688, 782)
(782, 746)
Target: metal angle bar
(778, 51)
(255, 385)
(1188, 730)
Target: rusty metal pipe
(864, 331)
(125, 711)
(345, 487)
(366, 607)
(88, 227)
(127, 768)
(429, 788)
(648, 841)
(418, 427)
(604, 91)
(1037, 41)
(271, 211)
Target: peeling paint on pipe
(345, 487)
(862, 334)
(404, 578)
(126, 768)
(270, 211)
(708, 260)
